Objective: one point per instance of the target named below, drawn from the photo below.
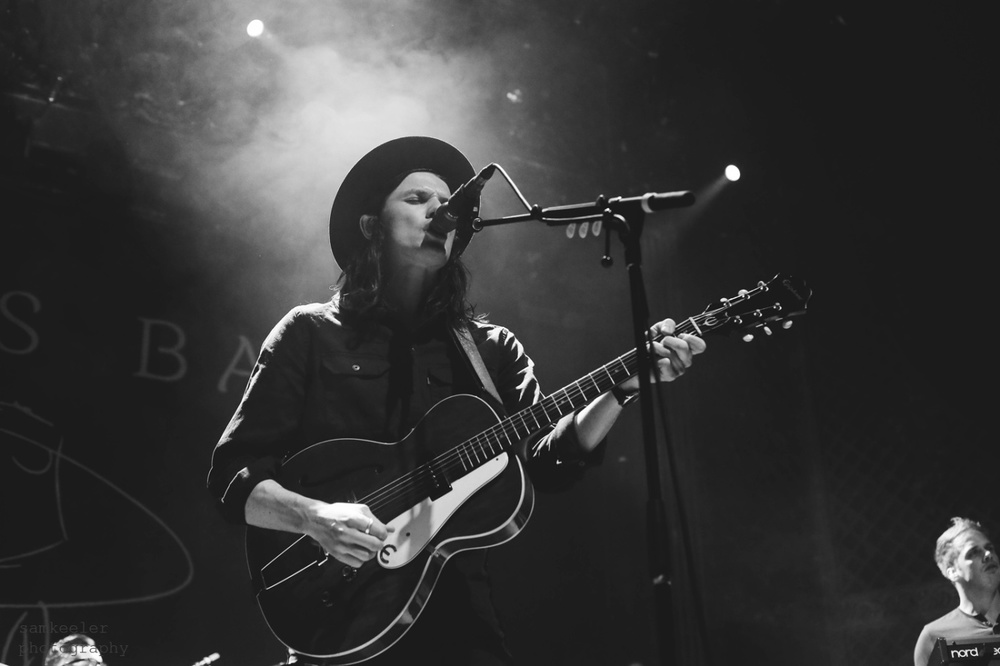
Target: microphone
(463, 204)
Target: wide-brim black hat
(372, 175)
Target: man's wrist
(622, 396)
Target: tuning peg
(787, 324)
(748, 337)
(767, 330)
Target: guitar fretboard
(492, 442)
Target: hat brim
(372, 173)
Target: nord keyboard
(970, 650)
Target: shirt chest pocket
(354, 388)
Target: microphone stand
(628, 220)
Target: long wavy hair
(359, 290)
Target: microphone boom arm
(562, 215)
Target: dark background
(165, 187)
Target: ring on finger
(368, 527)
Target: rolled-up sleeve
(258, 435)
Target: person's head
(966, 556)
(398, 222)
(74, 650)
(379, 221)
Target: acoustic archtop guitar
(452, 484)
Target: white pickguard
(417, 526)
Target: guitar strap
(471, 353)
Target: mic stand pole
(628, 221)
(657, 529)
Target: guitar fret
(517, 428)
(506, 436)
(494, 451)
(566, 393)
(541, 404)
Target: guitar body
(320, 607)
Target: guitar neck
(770, 302)
(565, 401)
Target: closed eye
(422, 195)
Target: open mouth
(435, 237)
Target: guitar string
(412, 485)
(477, 445)
(452, 459)
(477, 450)
(446, 462)
(416, 480)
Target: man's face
(976, 565)
(407, 212)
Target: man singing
(369, 364)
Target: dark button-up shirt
(318, 378)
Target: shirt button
(355, 367)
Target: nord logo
(966, 653)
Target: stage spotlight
(255, 28)
(733, 172)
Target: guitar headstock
(751, 310)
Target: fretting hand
(672, 355)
